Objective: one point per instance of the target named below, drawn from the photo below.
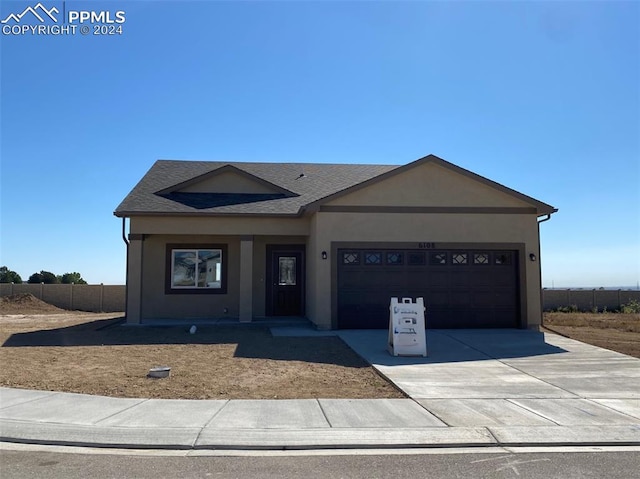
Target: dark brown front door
(285, 280)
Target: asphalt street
(495, 465)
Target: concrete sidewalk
(476, 388)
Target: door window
(287, 271)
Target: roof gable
(224, 186)
(174, 187)
(432, 183)
(227, 179)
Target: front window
(195, 269)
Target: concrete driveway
(515, 382)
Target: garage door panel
(482, 299)
(479, 291)
(502, 277)
(415, 277)
(349, 300)
(461, 298)
(372, 280)
(481, 277)
(436, 299)
(394, 278)
(436, 278)
(505, 298)
(352, 279)
(375, 316)
(459, 277)
(436, 318)
(457, 318)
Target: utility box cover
(407, 332)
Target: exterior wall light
(324, 255)
(532, 256)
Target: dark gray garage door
(461, 288)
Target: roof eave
(131, 214)
(548, 211)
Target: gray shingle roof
(151, 196)
(292, 187)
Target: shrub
(568, 309)
(632, 307)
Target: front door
(285, 280)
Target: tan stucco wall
(428, 185)
(216, 225)
(406, 228)
(153, 303)
(158, 231)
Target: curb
(55, 434)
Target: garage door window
(481, 258)
(394, 258)
(416, 259)
(459, 258)
(350, 258)
(438, 258)
(372, 258)
(502, 258)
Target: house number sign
(426, 245)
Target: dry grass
(90, 353)
(615, 331)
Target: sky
(543, 97)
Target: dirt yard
(93, 354)
(615, 331)
(47, 348)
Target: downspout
(124, 236)
(126, 278)
(547, 218)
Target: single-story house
(332, 243)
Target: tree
(8, 276)
(43, 277)
(74, 278)
(35, 278)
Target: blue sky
(543, 97)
